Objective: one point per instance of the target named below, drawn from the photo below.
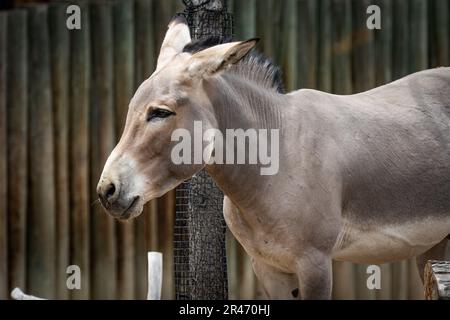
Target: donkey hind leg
(441, 251)
(315, 276)
(276, 285)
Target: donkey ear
(176, 38)
(215, 59)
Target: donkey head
(140, 168)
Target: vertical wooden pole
(245, 19)
(290, 46)
(59, 53)
(418, 44)
(324, 66)
(102, 138)
(277, 27)
(3, 162)
(152, 232)
(163, 12)
(342, 44)
(307, 43)
(140, 248)
(440, 35)
(383, 44)
(144, 45)
(401, 38)
(343, 272)
(265, 26)
(17, 106)
(363, 48)
(146, 225)
(123, 14)
(41, 211)
(79, 150)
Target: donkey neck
(242, 104)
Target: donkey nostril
(110, 191)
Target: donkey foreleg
(277, 285)
(315, 276)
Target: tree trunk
(200, 255)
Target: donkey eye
(158, 113)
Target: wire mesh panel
(200, 255)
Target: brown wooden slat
(244, 18)
(144, 41)
(363, 48)
(307, 43)
(342, 44)
(102, 142)
(80, 71)
(277, 26)
(264, 26)
(123, 13)
(3, 162)
(59, 54)
(439, 14)
(17, 145)
(383, 44)
(324, 67)
(289, 60)
(140, 261)
(400, 38)
(163, 12)
(41, 210)
(418, 41)
(151, 226)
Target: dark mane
(255, 66)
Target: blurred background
(63, 101)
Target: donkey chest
(267, 249)
(260, 240)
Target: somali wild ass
(362, 178)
